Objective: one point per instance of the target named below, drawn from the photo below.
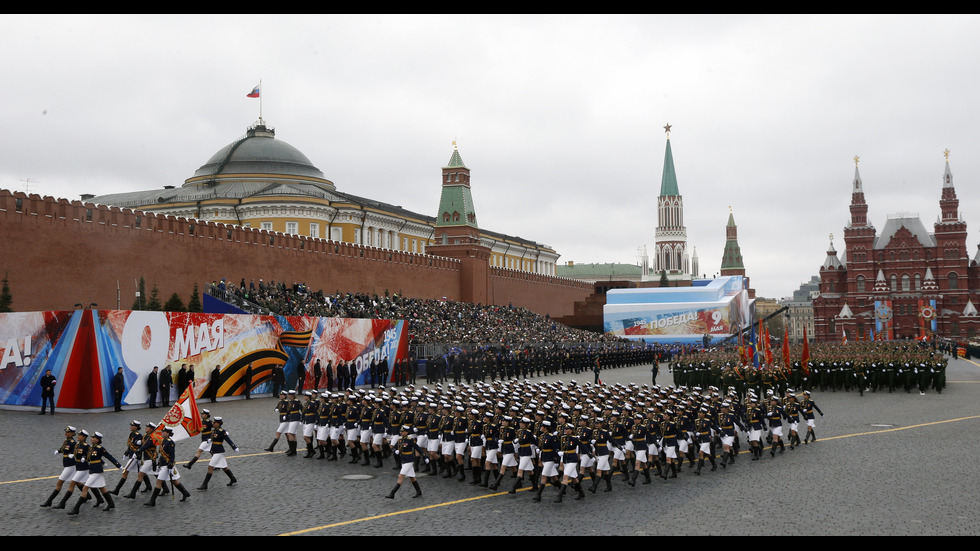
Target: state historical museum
(903, 282)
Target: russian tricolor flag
(254, 93)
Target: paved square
(885, 464)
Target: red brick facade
(905, 265)
(58, 253)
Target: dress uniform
(638, 435)
(294, 418)
(525, 452)
(67, 452)
(219, 436)
(548, 444)
(775, 415)
(311, 410)
(206, 425)
(96, 481)
(475, 435)
(79, 458)
(491, 439)
(508, 450)
(407, 450)
(806, 408)
(283, 413)
(569, 445)
(134, 441)
(167, 467)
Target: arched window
(860, 284)
(918, 282)
(894, 281)
(953, 280)
(906, 283)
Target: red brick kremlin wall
(58, 253)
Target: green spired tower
(670, 253)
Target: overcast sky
(559, 118)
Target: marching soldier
(206, 425)
(96, 481)
(132, 457)
(282, 410)
(548, 444)
(218, 438)
(807, 407)
(167, 471)
(67, 451)
(569, 446)
(407, 451)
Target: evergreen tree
(174, 304)
(5, 299)
(153, 304)
(663, 278)
(194, 304)
(140, 302)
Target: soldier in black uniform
(569, 446)
(806, 408)
(96, 482)
(407, 450)
(67, 451)
(311, 409)
(548, 445)
(703, 426)
(167, 466)
(218, 438)
(294, 417)
(775, 415)
(206, 425)
(133, 443)
(282, 411)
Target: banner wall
(84, 348)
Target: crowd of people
(499, 434)
(431, 321)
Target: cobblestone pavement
(885, 464)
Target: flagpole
(260, 100)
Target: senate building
(902, 282)
(261, 182)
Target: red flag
(768, 344)
(183, 418)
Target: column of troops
(854, 367)
(501, 363)
(83, 464)
(498, 434)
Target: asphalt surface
(884, 464)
